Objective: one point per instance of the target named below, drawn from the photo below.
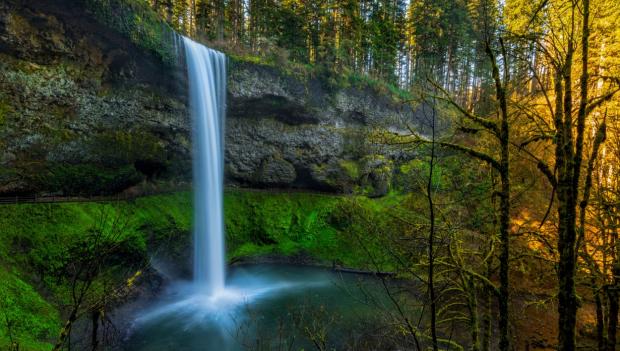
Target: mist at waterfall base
(266, 307)
(216, 311)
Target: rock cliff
(84, 110)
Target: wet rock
(377, 173)
(276, 171)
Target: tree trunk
(613, 293)
(504, 216)
(568, 164)
(431, 239)
(94, 339)
(220, 19)
(472, 304)
(486, 321)
(612, 326)
(600, 319)
(567, 298)
(66, 330)
(504, 343)
(564, 158)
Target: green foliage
(39, 240)
(256, 223)
(25, 317)
(419, 170)
(283, 222)
(351, 167)
(121, 147)
(367, 226)
(5, 109)
(333, 79)
(329, 228)
(136, 20)
(346, 78)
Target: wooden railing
(29, 199)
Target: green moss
(252, 249)
(351, 167)
(260, 218)
(5, 109)
(362, 81)
(122, 147)
(89, 179)
(136, 20)
(256, 222)
(419, 169)
(249, 58)
(27, 319)
(286, 223)
(333, 79)
(328, 227)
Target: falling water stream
(207, 87)
(217, 311)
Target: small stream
(268, 307)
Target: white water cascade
(203, 312)
(207, 95)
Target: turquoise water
(264, 307)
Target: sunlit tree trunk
(613, 293)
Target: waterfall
(207, 93)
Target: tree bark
(94, 339)
(613, 293)
(564, 158)
(504, 195)
(486, 321)
(66, 330)
(431, 240)
(220, 19)
(567, 298)
(600, 319)
(568, 162)
(614, 308)
(472, 304)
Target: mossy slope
(257, 223)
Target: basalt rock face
(85, 111)
(313, 135)
(82, 109)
